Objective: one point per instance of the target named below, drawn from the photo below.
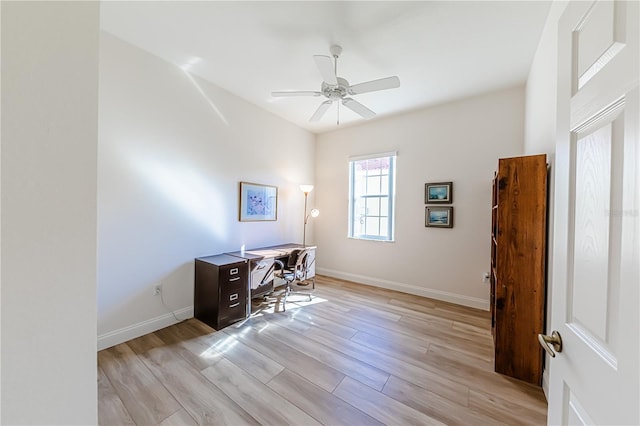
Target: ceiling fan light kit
(338, 89)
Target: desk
(262, 267)
(258, 279)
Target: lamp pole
(306, 189)
(306, 217)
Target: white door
(595, 297)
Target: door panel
(577, 415)
(595, 280)
(599, 38)
(594, 236)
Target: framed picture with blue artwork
(439, 217)
(258, 202)
(438, 193)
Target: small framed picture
(438, 193)
(439, 217)
(258, 202)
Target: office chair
(296, 275)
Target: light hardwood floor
(355, 355)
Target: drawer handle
(234, 279)
(234, 305)
(233, 297)
(233, 271)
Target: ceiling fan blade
(320, 111)
(374, 85)
(358, 108)
(325, 66)
(295, 93)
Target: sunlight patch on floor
(218, 349)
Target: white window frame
(390, 196)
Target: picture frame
(438, 193)
(257, 202)
(438, 217)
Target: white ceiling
(441, 50)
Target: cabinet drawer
(232, 310)
(232, 297)
(233, 275)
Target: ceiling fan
(337, 89)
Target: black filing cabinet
(220, 296)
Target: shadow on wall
(190, 191)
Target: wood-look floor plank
(433, 404)
(414, 327)
(322, 405)
(447, 337)
(484, 331)
(470, 359)
(347, 288)
(486, 381)
(204, 402)
(424, 309)
(360, 371)
(426, 378)
(146, 398)
(111, 410)
(219, 344)
(179, 418)
(415, 306)
(416, 333)
(310, 318)
(378, 405)
(328, 312)
(188, 345)
(505, 410)
(313, 370)
(266, 406)
(395, 345)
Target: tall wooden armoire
(518, 257)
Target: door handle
(554, 339)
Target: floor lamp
(313, 213)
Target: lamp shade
(315, 213)
(306, 188)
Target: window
(371, 196)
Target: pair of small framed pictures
(438, 193)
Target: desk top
(222, 259)
(267, 252)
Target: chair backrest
(297, 262)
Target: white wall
(172, 151)
(540, 125)
(540, 114)
(49, 147)
(0, 226)
(459, 142)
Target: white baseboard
(472, 302)
(121, 335)
(545, 380)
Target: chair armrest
(280, 267)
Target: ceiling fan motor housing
(336, 92)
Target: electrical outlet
(485, 277)
(157, 290)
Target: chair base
(294, 288)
